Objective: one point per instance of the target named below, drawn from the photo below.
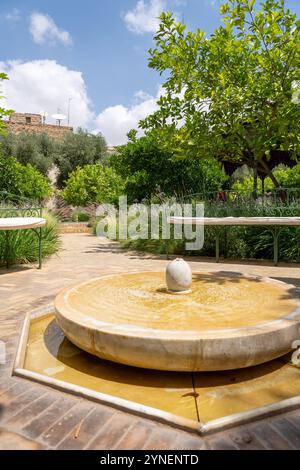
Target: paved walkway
(33, 416)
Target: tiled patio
(37, 417)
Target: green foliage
(92, 184)
(79, 216)
(23, 180)
(24, 243)
(287, 178)
(148, 170)
(3, 112)
(233, 90)
(247, 185)
(42, 151)
(79, 149)
(37, 149)
(292, 179)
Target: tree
(79, 149)
(37, 149)
(230, 95)
(3, 112)
(21, 180)
(92, 184)
(148, 170)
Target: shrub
(92, 184)
(79, 216)
(148, 169)
(24, 243)
(23, 180)
(293, 177)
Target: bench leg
(217, 246)
(225, 241)
(276, 233)
(40, 248)
(7, 247)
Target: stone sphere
(178, 276)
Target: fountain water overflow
(225, 321)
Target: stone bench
(8, 224)
(275, 224)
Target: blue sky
(94, 52)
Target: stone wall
(25, 118)
(32, 123)
(75, 227)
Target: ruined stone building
(26, 122)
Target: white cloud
(44, 30)
(142, 95)
(46, 85)
(13, 15)
(115, 121)
(144, 17)
(213, 3)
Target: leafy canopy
(37, 149)
(230, 95)
(149, 170)
(3, 112)
(42, 151)
(92, 184)
(21, 180)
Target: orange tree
(230, 95)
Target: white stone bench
(8, 224)
(275, 223)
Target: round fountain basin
(228, 321)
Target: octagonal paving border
(202, 429)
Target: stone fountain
(223, 321)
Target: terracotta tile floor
(35, 416)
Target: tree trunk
(267, 170)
